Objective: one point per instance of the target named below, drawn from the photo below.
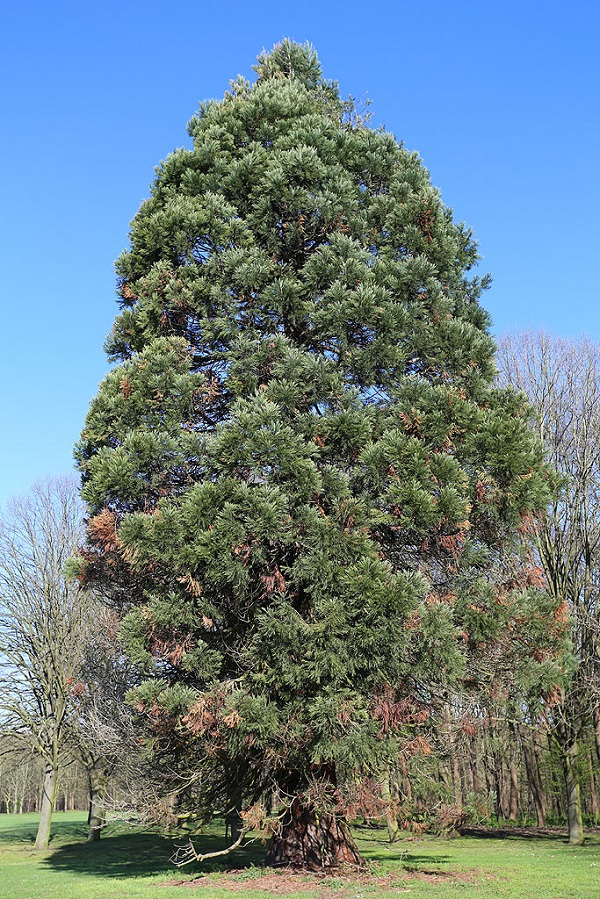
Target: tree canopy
(299, 467)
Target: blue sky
(500, 99)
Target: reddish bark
(312, 840)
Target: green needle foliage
(299, 458)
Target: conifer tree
(299, 466)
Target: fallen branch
(185, 855)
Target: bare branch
(185, 855)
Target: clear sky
(501, 99)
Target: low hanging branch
(185, 855)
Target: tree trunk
(495, 756)
(535, 786)
(313, 840)
(593, 792)
(513, 775)
(574, 810)
(474, 760)
(96, 820)
(233, 824)
(452, 755)
(487, 768)
(596, 715)
(456, 778)
(47, 806)
(406, 785)
(513, 801)
(498, 784)
(391, 806)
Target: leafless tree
(102, 731)
(44, 619)
(561, 377)
(19, 776)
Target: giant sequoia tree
(299, 467)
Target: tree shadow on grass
(126, 852)
(556, 834)
(402, 855)
(375, 846)
(135, 854)
(24, 830)
(429, 862)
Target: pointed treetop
(290, 60)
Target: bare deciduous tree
(561, 377)
(102, 730)
(19, 776)
(43, 622)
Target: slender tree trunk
(535, 786)
(593, 790)
(513, 784)
(557, 794)
(513, 798)
(453, 758)
(47, 806)
(596, 715)
(574, 810)
(487, 772)
(233, 820)
(233, 824)
(391, 806)
(495, 756)
(96, 819)
(474, 765)
(313, 840)
(456, 778)
(406, 790)
(497, 760)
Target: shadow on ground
(135, 854)
(557, 834)
(25, 830)
(413, 862)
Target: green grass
(127, 864)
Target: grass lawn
(128, 863)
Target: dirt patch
(287, 881)
(444, 876)
(283, 882)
